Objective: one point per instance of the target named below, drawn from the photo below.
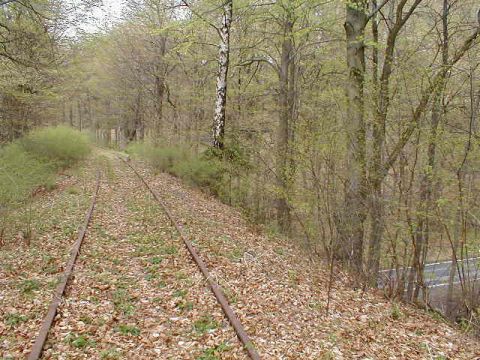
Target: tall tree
(286, 112)
(354, 216)
(223, 66)
(422, 230)
(379, 132)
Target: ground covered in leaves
(136, 294)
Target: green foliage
(161, 158)
(14, 319)
(20, 174)
(205, 324)
(128, 330)
(30, 164)
(465, 325)
(211, 170)
(61, 145)
(396, 312)
(204, 173)
(214, 353)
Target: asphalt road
(437, 274)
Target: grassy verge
(29, 166)
(30, 271)
(205, 170)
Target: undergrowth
(29, 165)
(210, 170)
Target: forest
(347, 128)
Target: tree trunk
(376, 173)
(159, 91)
(71, 115)
(352, 227)
(376, 196)
(80, 119)
(459, 243)
(284, 130)
(415, 281)
(223, 63)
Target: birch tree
(223, 66)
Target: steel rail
(217, 291)
(47, 323)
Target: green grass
(205, 324)
(169, 250)
(73, 190)
(29, 286)
(155, 260)
(128, 330)
(110, 354)
(185, 305)
(123, 302)
(214, 353)
(79, 341)
(29, 165)
(180, 293)
(236, 255)
(14, 319)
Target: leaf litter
(136, 294)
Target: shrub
(162, 158)
(198, 171)
(179, 161)
(212, 170)
(30, 163)
(20, 173)
(62, 146)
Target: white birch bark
(223, 63)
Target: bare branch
(201, 17)
(376, 10)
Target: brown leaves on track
(280, 296)
(29, 274)
(136, 294)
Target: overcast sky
(108, 13)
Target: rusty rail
(59, 291)
(217, 291)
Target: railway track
(217, 291)
(48, 321)
(60, 290)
